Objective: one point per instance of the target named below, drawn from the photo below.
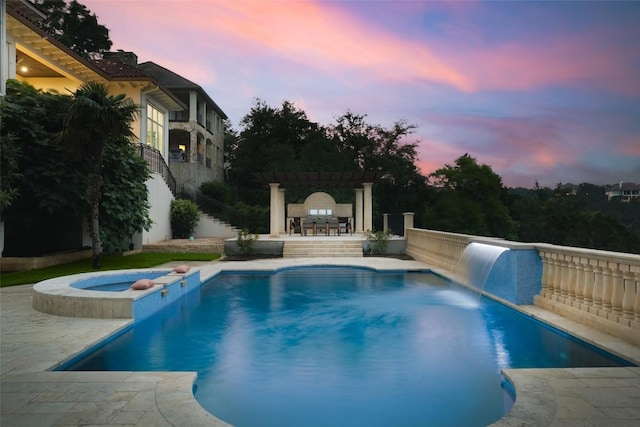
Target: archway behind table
(361, 182)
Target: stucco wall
(160, 198)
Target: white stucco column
(281, 214)
(408, 221)
(367, 207)
(358, 217)
(274, 225)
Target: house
(626, 191)
(196, 135)
(29, 55)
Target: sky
(543, 92)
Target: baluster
(636, 304)
(608, 289)
(571, 282)
(553, 277)
(629, 295)
(579, 282)
(588, 278)
(546, 266)
(561, 280)
(598, 287)
(617, 291)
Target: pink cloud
(326, 38)
(519, 67)
(520, 151)
(320, 34)
(630, 146)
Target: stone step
(321, 248)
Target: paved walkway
(33, 343)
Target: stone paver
(33, 343)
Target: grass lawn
(109, 262)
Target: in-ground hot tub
(87, 294)
(117, 282)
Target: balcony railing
(179, 116)
(157, 164)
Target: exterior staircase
(310, 248)
(209, 226)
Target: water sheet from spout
(476, 263)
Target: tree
(274, 140)
(9, 173)
(94, 120)
(373, 148)
(47, 186)
(75, 26)
(480, 191)
(283, 139)
(581, 217)
(124, 206)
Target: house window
(155, 127)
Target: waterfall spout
(476, 263)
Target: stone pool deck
(33, 343)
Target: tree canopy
(470, 199)
(94, 121)
(464, 197)
(75, 26)
(284, 139)
(49, 185)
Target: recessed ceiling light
(24, 69)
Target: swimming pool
(343, 346)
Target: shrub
(378, 241)
(184, 217)
(245, 241)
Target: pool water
(111, 287)
(344, 346)
(115, 282)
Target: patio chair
(307, 224)
(333, 224)
(322, 226)
(293, 225)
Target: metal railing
(157, 164)
(224, 212)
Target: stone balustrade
(598, 288)
(437, 248)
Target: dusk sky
(540, 91)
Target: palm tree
(94, 120)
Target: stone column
(385, 222)
(274, 214)
(281, 214)
(367, 207)
(408, 221)
(358, 216)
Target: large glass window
(155, 127)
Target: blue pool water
(344, 346)
(115, 282)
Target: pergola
(362, 182)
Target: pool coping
(539, 392)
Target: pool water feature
(343, 346)
(476, 263)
